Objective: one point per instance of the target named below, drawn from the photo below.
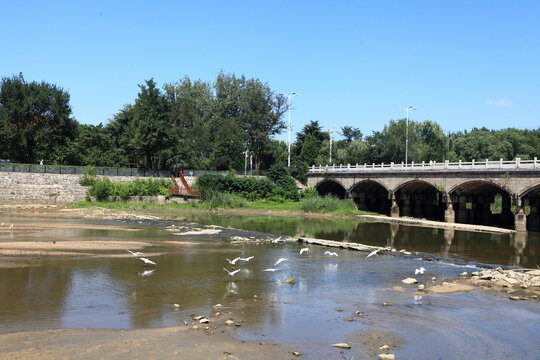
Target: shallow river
(121, 292)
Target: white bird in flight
(331, 253)
(374, 252)
(231, 272)
(280, 260)
(246, 259)
(303, 250)
(275, 241)
(419, 271)
(270, 269)
(147, 261)
(135, 253)
(233, 261)
(11, 227)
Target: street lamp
(407, 109)
(289, 149)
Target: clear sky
(463, 64)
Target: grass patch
(328, 204)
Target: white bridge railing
(486, 165)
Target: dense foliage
(220, 126)
(103, 188)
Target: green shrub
(89, 177)
(308, 193)
(217, 199)
(327, 204)
(139, 187)
(101, 189)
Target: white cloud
(500, 103)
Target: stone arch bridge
(498, 193)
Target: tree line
(214, 126)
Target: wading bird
(147, 261)
(136, 253)
(11, 227)
(231, 272)
(422, 270)
(275, 241)
(280, 260)
(303, 250)
(331, 253)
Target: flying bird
(270, 269)
(331, 253)
(419, 271)
(232, 262)
(147, 261)
(231, 272)
(136, 253)
(246, 259)
(280, 260)
(11, 227)
(374, 252)
(303, 250)
(275, 241)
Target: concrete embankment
(46, 188)
(434, 224)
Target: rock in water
(409, 281)
(342, 345)
(384, 348)
(290, 280)
(387, 357)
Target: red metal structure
(179, 190)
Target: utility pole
(331, 132)
(407, 109)
(289, 96)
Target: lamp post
(289, 96)
(407, 109)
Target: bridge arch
(530, 198)
(331, 187)
(482, 202)
(370, 195)
(420, 198)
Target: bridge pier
(394, 209)
(520, 220)
(449, 213)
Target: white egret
(11, 227)
(136, 253)
(303, 250)
(422, 270)
(280, 260)
(147, 261)
(246, 259)
(374, 252)
(331, 253)
(270, 270)
(275, 241)
(232, 262)
(231, 272)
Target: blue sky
(463, 64)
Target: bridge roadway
(495, 193)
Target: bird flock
(143, 259)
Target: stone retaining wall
(48, 188)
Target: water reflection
(489, 248)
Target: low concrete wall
(48, 188)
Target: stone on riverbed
(409, 281)
(387, 357)
(342, 345)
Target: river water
(319, 309)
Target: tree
(261, 113)
(351, 133)
(315, 130)
(151, 127)
(35, 119)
